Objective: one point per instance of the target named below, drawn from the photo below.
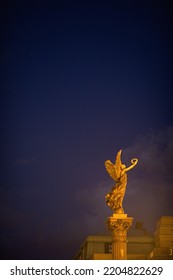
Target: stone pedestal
(119, 225)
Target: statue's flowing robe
(115, 197)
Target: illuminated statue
(118, 171)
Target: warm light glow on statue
(117, 172)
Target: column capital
(119, 223)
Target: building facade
(140, 244)
(163, 239)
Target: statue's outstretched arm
(134, 161)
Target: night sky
(80, 80)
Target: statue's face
(123, 166)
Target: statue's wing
(114, 170)
(118, 164)
(110, 167)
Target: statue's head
(123, 166)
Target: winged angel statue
(117, 172)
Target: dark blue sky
(80, 81)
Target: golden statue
(117, 172)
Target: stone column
(119, 225)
